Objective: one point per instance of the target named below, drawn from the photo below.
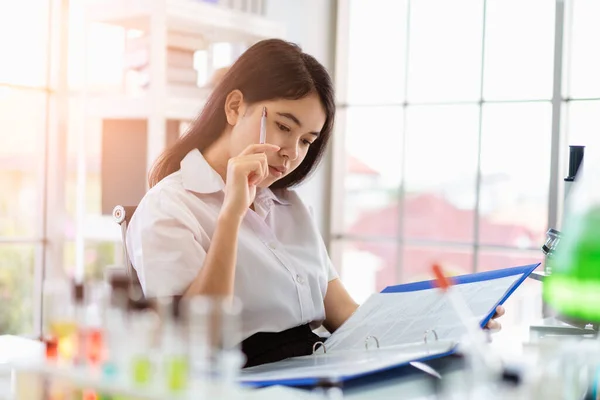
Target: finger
(253, 167)
(259, 148)
(265, 166)
(257, 172)
(493, 325)
(254, 179)
(248, 162)
(500, 311)
(245, 168)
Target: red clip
(441, 280)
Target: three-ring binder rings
(400, 325)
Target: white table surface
(515, 345)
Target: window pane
(100, 232)
(98, 256)
(515, 169)
(585, 62)
(445, 50)
(365, 267)
(373, 149)
(441, 167)
(22, 128)
(376, 51)
(489, 260)
(418, 260)
(519, 49)
(583, 124)
(92, 129)
(24, 45)
(16, 289)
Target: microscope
(553, 235)
(554, 323)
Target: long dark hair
(270, 69)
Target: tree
(16, 288)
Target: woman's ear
(233, 106)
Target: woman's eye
(282, 127)
(306, 142)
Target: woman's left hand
(493, 324)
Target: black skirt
(267, 347)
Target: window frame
(558, 138)
(48, 238)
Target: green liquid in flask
(573, 289)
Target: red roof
(357, 167)
(430, 217)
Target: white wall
(311, 24)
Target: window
(445, 133)
(444, 39)
(519, 46)
(584, 62)
(582, 87)
(439, 185)
(515, 172)
(370, 166)
(25, 100)
(366, 265)
(22, 122)
(25, 56)
(17, 264)
(383, 82)
(583, 123)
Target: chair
(122, 216)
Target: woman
(220, 219)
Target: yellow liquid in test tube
(61, 329)
(66, 333)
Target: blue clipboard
(476, 277)
(524, 271)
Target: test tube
(114, 357)
(142, 326)
(215, 336)
(59, 321)
(80, 319)
(175, 362)
(96, 351)
(51, 348)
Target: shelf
(126, 107)
(26, 374)
(188, 17)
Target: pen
(263, 126)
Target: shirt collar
(278, 196)
(199, 177)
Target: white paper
(399, 322)
(400, 318)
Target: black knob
(575, 159)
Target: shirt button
(273, 245)
(299, 279)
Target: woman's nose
(290, 150)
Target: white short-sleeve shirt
(282, 268)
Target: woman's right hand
(244, 173)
